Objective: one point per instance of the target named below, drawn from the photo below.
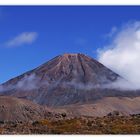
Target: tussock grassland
(84, 125)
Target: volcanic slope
(66, 79)
(14, 109)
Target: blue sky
(30, 36)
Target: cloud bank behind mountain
(122, 55)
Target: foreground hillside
(102, 107)
(16, 110)
(96, 125)
(20, 110)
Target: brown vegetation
(113, 124)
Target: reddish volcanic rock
(66, 79)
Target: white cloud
(112, 32)
(123, 54)
(21, 39)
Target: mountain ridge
(74, 84)
(64, 80)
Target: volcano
(65, 80)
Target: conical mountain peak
(65, 75)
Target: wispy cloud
(112, 32)
(22, 39)
(123, 53)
